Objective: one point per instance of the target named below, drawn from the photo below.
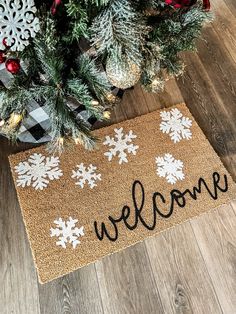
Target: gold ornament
(123, 74)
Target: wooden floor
(189, 269)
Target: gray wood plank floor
(188, 269)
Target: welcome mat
(149, 174)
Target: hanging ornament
(17, 23)
(13, 65)
(123, 74)
(2, 57)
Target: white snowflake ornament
(170, 168)
(86, 174)
(37, 171)
(176, 125)
(122, 145)
(18, 23)
(66, 232)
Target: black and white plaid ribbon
(36, 125)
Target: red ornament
(181, 4)
(13, 65)
(2, 57)
(177, 6)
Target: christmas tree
(67, 59)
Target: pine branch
(51, 61)
(80, 92)
(79, 20)
(62, 119)
(177, 33)
(98, 3)
(149, 33)
(96, 79)
(14, 100)
(119, 31)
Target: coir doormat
(150, 173)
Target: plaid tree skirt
(36, 126)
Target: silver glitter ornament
(123, 74)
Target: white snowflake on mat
(67, 232)
(86, 174)
(37, 171)
(121, 145)
(176, 125)
(17, 23)
(170, 168)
